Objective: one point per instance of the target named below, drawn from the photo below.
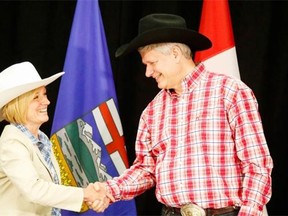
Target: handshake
(97, 197)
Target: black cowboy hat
(158, 28)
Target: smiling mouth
(157, 77)
(43, 110)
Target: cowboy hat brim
(193, 39)
(9, 94)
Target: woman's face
(37, 110)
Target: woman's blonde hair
(16, 110)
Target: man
(200, 141)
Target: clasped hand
(97, 197)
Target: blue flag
(87, 134)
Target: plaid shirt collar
(41, 136)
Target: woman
(29, 173)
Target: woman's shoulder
(11, 132)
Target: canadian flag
(216, 24)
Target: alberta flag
(216, 24)
(87, 133)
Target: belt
(208, 211)
(220, 211)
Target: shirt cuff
(113, 189)
(250, 211)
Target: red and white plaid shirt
(205, 146)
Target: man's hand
(101, 186)
(97, 197)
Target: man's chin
(160, 86)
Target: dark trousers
(166, 211)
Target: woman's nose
(45, 100)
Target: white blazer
(26, 185)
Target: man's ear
(176, 52)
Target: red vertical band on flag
(215, 24)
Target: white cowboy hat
(19, 79)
